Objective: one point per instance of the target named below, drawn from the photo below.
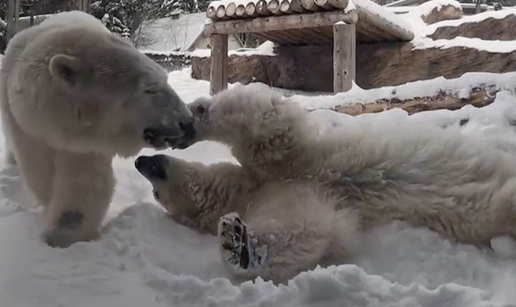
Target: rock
(310, 68)
(487, 29)
(441, 12)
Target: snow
(459, 86)
(145, 259)
(385, 13)
(265, 49)
(495, 46)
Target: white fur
(73, 95)
(319, 190)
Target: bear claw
(236, 242)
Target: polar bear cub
(268, 230)
(73, 95)
(421, 174)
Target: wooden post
(16, 16)
(219, 63)
(344, 56)
(9, 19)
(83, 5)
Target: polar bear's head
(82, 89)
(177, 186)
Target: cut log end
(221, 12)
(231, 9)
(310, 5)
(261, 8)
(211, 12)
(240, 10)
(285, 7)
(250, 9)
(274, 7)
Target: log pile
(218, 11)
(310, 68)
(487, 29)
(479, 97)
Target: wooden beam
(367, 16)
(280, 23)
(219, 63)
(344, 56)
(9, 18)
(83, 5)
(16, 16)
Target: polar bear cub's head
(80, 87)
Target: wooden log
(211, 12)
(344, 56)
(274, 7)
(250, 10)
(386, 26)
(324, 4)
(279, 23)
(285, 7)
(240, 11)
(296, 6)
(83, 5)
(16, 16)
(221, 12)
(262, 9)
(231, 9)
(10, 30)
(479, 97)
(219, 63)
(310, 5)
(332, 4)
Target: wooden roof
(305, 22)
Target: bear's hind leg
(82, 190)
(290, 228)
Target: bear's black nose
(152, 167)
(188, 129)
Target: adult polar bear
(300, 196)
(74, 95)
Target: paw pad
(237, 242)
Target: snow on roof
(175, 34)
(385, 13)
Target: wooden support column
(344, 56)
(83, 5)
(219, 63)
(9, 19)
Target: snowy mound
(145, 259)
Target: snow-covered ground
(145, 259)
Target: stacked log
(232, 10)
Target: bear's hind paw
(237, 244)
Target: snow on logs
(235, 10)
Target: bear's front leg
(83, 185)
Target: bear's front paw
(69, 229)
(237, 244)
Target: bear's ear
(65, 67)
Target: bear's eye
(156, 194)
(200, 109)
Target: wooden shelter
(341, 23)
